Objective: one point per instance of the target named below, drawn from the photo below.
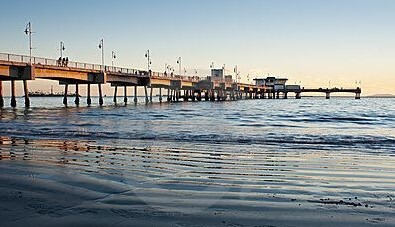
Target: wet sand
(80, 183)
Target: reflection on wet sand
(213, 164)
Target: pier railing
(88, 66)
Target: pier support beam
(298, 95)
(150, 95)
(212, 95)
(100, 95)
(115, 94)
(285, 95)
(13, 99)
(77, 95)
(135, 95)
(88, 99)
(125, 94)
(66, 86)
(357, 95)
(1, 95)
(168, 95)
(328, 95)
(186, 98)
(146, 94)
(26, 91)
(218, 95)
(160, 95)
(178, 95)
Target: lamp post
(236, 73)
(62, 48)
(113, 57)
(179, 65)
(28, 31)
(147, 55)
(101, 46)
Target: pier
(15, 68)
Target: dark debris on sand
(340, 202)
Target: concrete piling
(146, 94)
(160, 95)
(357, 95)
(66, 86)
(150, 94)
(100, 95)
(88, 99)
(77, 95)
(26, 91)
(13, 98)
(178, 94)
(1, 95)
(327, 95)
(115, 94)
(135, 95)
(298, 95)
(125, 94)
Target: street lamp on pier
(147, 55)
(101, 46)
(28, 31)
(179, 65)
(113, 57)
(236, 73)
(62, 48)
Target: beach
(310, 162)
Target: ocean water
(229, 161)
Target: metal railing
(177, 77)
(88, 66)
(69, 64)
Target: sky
(337, 43)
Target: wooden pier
(188, 88)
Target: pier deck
(22, 68)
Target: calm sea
(190, 157)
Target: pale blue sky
(307, 40)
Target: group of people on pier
(63, 61)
